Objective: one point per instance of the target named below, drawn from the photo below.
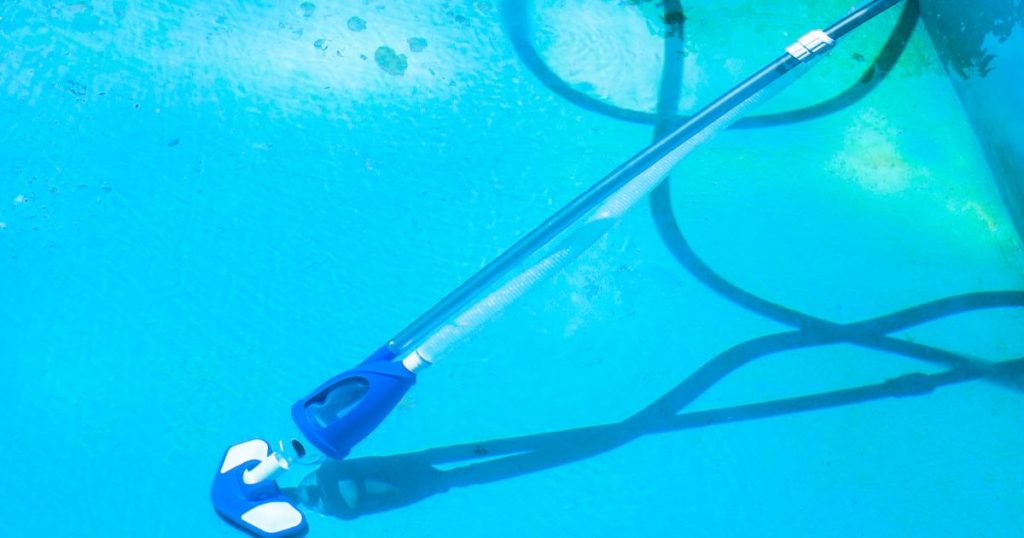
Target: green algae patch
(871, 157)
(390, 61)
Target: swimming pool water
(208, 208)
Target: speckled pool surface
(208, 208)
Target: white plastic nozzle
(268, 469)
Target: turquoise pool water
(208, 208)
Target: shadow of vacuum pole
(352, 488)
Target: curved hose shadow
(352, 488)
(515, 16)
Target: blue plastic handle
(344, 410)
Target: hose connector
(811, 43)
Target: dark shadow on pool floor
(352, 488)
(355, 487)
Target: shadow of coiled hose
(355, 487)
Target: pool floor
(207, 209)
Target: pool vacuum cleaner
(344, 410)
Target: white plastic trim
(255, 449)
(810, 43)
(414, 361)
(273, 517)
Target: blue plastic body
(232, 498)
(380, 384)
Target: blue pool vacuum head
(256, 506)
(334, 418)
